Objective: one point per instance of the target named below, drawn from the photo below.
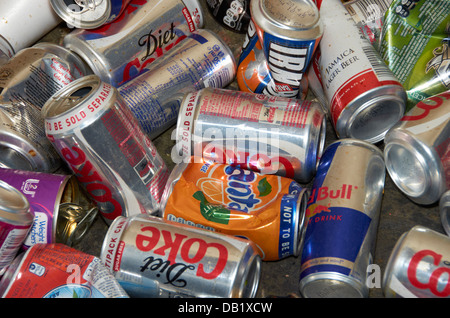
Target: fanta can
(266, 209)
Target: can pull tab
(88, 4)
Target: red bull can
(444, 211)
(419, 266)
(231, 14)
(271, 135)
(289, 33)
(89, 14)
(342, 220)
(58, 271)
(16, 220)
(417, 150)
(364, 98)
(151, 257)
(202, 60)
(101, 141)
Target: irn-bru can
(289, 32)
(270, 135)
(342, 220)
(89, 14)
(152, 257)
(96, 134)
(419, 266)
(58, 271)
(121, 50)
(266, 209)
(444, 211)
(417, 150)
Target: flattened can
(119, 51)
(27, 81)
(342, 220)
(62, 213)
(444, 211)
(202, 60)
(417, 150)
(58, 271)
(289, 33)
(364, 98)
(231, 14)
(419, 266)
(271, 135)
(266, 209)
(15, 223)
(89, 14)
(96, 134)
(152, 257)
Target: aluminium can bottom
(332, 285)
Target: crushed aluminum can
(231, 14)
(62, 212)
(89, 14)
(342, 220)
(202, 60)
(419, 266)
(96, 134)
(417, 150)
(121, 50)
(289, 33)
(266, 209)
(364, 97)
(27, 81)
(16, 220)
(271, 135)
(152, 257)
(58, 271)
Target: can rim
(14, 206)
(82, 19)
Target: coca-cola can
(231, 14)
(363, 96)
(101, 141)
(27, 81)
(289, 33)
(271, 135)
(89, 14)
(146, 30)
(417, 150)
(152, 257)
(16, 220)
(419, 265)
(202, 60)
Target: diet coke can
(202, 60)
(151, 257)
(419, 266)
(96, 134)
(16, 219)
(271, 135)
(342, 220)
(89, 14)
(289, 32)
(121, 50)
(417, 150)
(364, 98)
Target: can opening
(64, 102)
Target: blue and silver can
(342, 220)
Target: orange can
(266, 209)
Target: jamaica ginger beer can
(98, 137)
(152, 257)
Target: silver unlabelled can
(342, 220)
(444, 211)
(364, 98)
(121, 50)
(202, 60)
(271, 135)
(96, 134)
(27, 81)
(15, 223)
(419, 266)
(417, 150)
(152, 257)
(89, 14)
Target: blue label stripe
(288, 225)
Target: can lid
(85, 14)
(14, 206)
(332, 285)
